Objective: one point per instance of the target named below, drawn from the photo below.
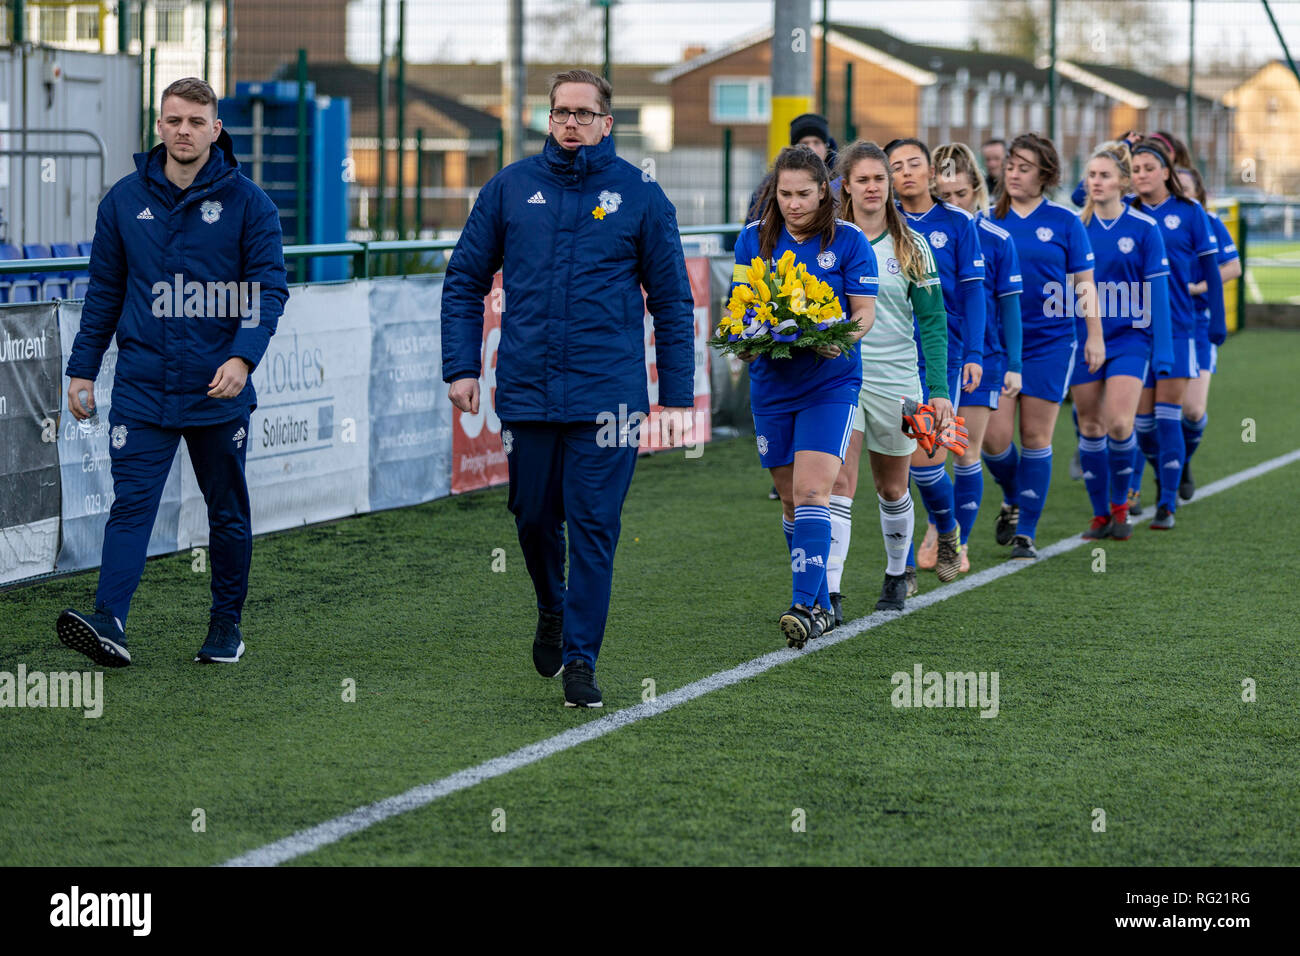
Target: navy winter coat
(578, 233)
(222, 230)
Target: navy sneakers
(225, 645)
(97, 635)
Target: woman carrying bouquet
(803, 404)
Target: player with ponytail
(1132, 276)
(1193, 253)
(950, 232)
(1196, 398)
(961, 184)
(803, 406)
(909, 285)
(1056, 264)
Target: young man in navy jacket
(187, 270)
(578, 232)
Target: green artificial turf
(1119, 690)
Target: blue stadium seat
(52, 284)
(76, 280)
(16, 287)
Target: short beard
(184, 162)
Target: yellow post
(1230, 212)
(784, 109)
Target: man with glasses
(578, 233)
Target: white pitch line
(331, 831)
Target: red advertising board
(478, 460)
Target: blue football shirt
(950, 232)
(848, 266)
(1129, 252)
(1227, 252)
(1001, 278)
(1051, 244)
(1188, 237)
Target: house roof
(1142, 84)
(712, 56)
(947, 61)
(924, 64)
(439, 115)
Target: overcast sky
(655, 31)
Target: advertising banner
(309, 437)
(410, 414)
(29, 458)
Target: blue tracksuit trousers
(141, 456)
(561, 476)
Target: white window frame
(93, 14)
(171, 8)
(929, 106)
(760, 100)
(49, 16)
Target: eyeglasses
(560, 116)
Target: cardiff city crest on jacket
(210, 211)
(609, 201)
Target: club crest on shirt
(1125, 244)
(938, 239)
(210, 211)
(118, 436)
(762, 444)
(826, 259)
(1172, 221)
(1044, 234)
(507, 440)
(892, 265)
(609, 201)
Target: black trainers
(800, 625)
(548, 644)
(1022, 548)
(1187, 485)
(1005, 528)
(580, 688)
(225, 645)
(825, 618)
(893, 593)
(95, 635)
(909, 575)
(1164, 519)
(774, 495)
(837, 602)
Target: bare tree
(1123, 33)
(566, 31)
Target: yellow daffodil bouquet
(780, 308)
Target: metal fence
(431, 82)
